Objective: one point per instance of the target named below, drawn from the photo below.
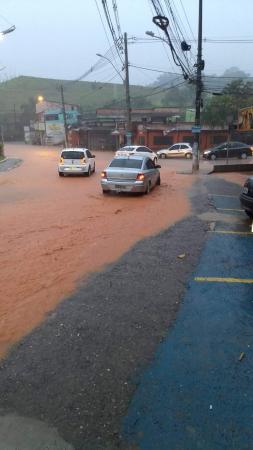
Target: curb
(233, 168)
(3, 160)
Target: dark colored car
(228, 149)
(246, 197)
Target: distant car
(228, 149)
(130, 174)
(181, 149)
(76, 161)
(137, 149)
(246, 197)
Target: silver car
(182, 149)
(76, 161)
(130, 174)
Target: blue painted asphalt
(197, 394)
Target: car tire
(148, 189)
(213, 157)
(158, 182)
(244, 155)
(249, 214)
(61, 174)
(88, 174)
(94, 169)
(162, 156)
(188, 155)
(105, 192)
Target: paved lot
(197, 392)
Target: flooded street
(57, 230)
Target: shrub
(1, 150)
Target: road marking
(224, 280)
(229, 209)
(240, 233)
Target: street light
(40, 99)
(9, 30)
(153, 35)
(115, 68)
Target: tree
(237, 94)
(28, 111)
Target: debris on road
(242, 355)
(182, 256)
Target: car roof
(181, 143)
(131, 157)
(69, 149)
(134, 146)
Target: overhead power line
(117, 39)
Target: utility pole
(128, 100)
(15, 121)
(64, 117)
(198, 103)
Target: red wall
(208, 138)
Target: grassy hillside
(89, 95)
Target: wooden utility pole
(128, 100)
(198, 102)
(64, 117)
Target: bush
(1, 150)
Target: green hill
(89, 95)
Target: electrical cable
(117, 40)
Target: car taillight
(61, 160)
(103, 175)
(140, 177)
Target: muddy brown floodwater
(55, 231)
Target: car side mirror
(93, 156)
(158, 166)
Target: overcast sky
(60, 38)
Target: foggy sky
(60, 38)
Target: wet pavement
(9, 163)
(197, 393)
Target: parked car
(130, 174)
(181, 149)
(246, 197)
(76, 161)
(228, 149)
(137, 149)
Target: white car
(137, 150)
(76, 161)
(181, 149)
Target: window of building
(141, 140)
(162, 140)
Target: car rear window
(127, 149)
(127, 163)
(72, 155)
